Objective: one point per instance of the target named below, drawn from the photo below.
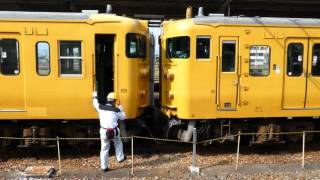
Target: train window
(259, 61)
(295, 59)
(228, 56)
(9, 57)
(315, 70)
(178, 47)
(70, 59)
(135, 45)
(43, 58)
(203, 47)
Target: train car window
(178, 47)
(259, 61)
(228, 56)
(295, 59)
(70, 58)
(43, 58)
(135, 45)
(315, 70)
(203, 47)
(9, 57)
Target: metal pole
(303, 147)
(194, 151)
(238, 149)
(194, 168)
(132, 155)
(59, 157)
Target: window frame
(314, 75)
(287, 72)
(210, 51)
(127, 46)
(69, 57)
(167, 44)
(18, 57)
(37, 60)
(269, 66)
(235, 43)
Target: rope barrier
(157, 139)
(217, 139)
(67, 139)
(280, 133)
(17, 138)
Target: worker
(109, 115)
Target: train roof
(57, 16)
(256, 21)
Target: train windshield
(135, 45)
(178, 47)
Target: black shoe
(124, 158)
(105, 170)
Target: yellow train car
(52, 62)
(246, 74)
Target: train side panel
(29, 95)
(254, 92)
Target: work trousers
(105, 146)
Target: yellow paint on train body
(27, 95)
(255, 68)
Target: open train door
(104, 47)
(12, 91)
(228, 79)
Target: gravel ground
(171, 161)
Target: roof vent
(109, 9)
(200, 12)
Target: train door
(12, 91)
(295, 73)
(104, 47)
(228, 73)
(313, 75)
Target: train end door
(228, 79)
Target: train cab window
(228, 56)
(259, 61)
(70, 58)
(178, 47)
(315, 70)
(43, 58)
(135, 45)
(203, 47)
(9, 57)
(295, 59)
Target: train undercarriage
(46, 129)
(255, 131)
(34, 133)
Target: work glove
(120, 107)
(94, 94)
